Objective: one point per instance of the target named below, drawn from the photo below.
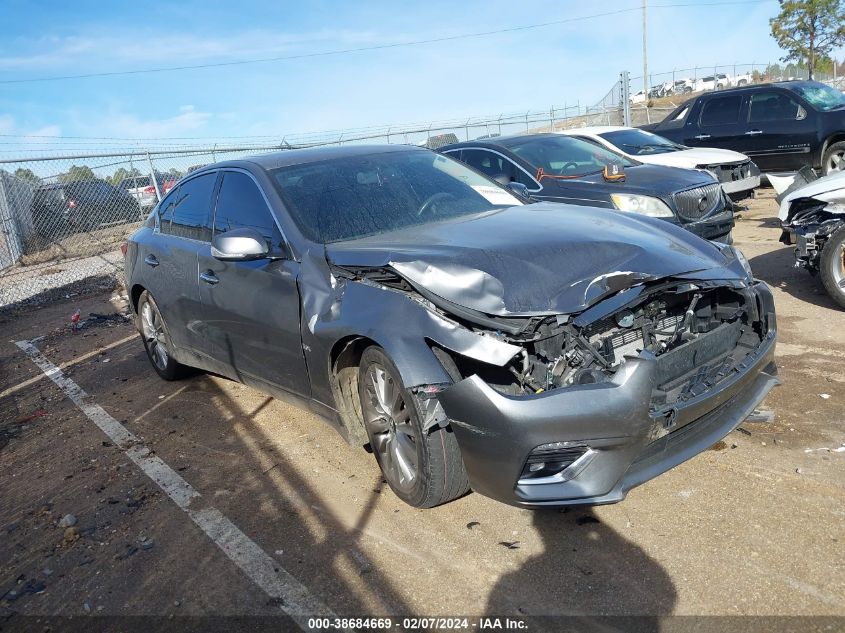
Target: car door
(781, 131)
(252, 307)
(720, 123)
(170, 261)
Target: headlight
(644, 205)
(744, 261)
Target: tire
(834, 158)
(156, 339)
(833, 266)
(424, 469)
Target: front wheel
(157, 339)
(834, 158)
(833, 266)
(423, 468)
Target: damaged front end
(581, 407)
(809, 226)
(812, 213)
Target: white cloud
(23, 134)
(145, 49)
(125, 125)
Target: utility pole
(645, 52)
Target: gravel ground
(753, 526)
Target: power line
(376, 47)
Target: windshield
(639, 142)
(820, 96)
(356, 196)
(565, 155)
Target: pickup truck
(781, 126)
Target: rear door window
(721, 111)
(773, 106)
(240, 204)
(186, 212)
(495, 165)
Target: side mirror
(519, 189)
(239, 245)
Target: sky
(531, 69)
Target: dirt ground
(753, 526)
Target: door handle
(753, 132)
(209, 277)
(701, 137)
(151, 260)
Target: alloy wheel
(391, 431)
(838, 272)
(152, 326)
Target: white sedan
(738, 175)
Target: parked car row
(687, 85)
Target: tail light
(71, 204)
(124, 247)
(149, 189)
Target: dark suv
(61, 209)
(781, 126)
(559, 168)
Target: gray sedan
(540, 354)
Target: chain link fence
(63, 218)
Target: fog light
(555, 462)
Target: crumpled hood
(542, 258)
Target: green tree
(77, 172)
(122, 173)
(808, 30)
(27, 174)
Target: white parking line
(260, 567)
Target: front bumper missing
(496, 432)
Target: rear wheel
(834, 158)
(423, 468)
(157, 340)
(833, 266)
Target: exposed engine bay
(698, 332)
(809, 227)
(812, 213)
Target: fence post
(624, 80)
(153, 176)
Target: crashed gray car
(540, 354)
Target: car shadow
(587, 570)
(777, 269)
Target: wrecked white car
(812, 212)
(541, 354)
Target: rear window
(356, 196)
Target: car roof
(751, 87)
(499, 141)
(596, 129)
(289, 157)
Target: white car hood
(690, 158)
(827, 189)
